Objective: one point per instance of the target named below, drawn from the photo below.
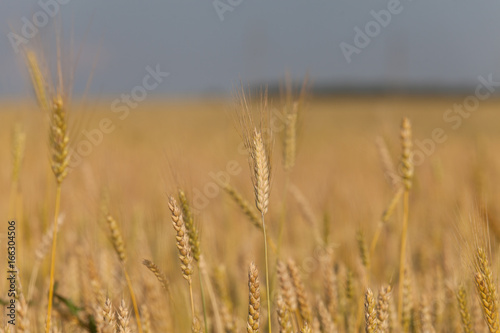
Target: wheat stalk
(290, 137)
(407, 173)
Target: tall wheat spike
(262, 187)
(261, 173)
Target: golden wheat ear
(158, 273)
(261, 173)
(486, 289)
(383, 304)
(371, 321)
(182, 239)
(253, 322)
(463, 307)
(192, 231)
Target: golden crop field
(161, 215)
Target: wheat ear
(146, 319)
(383, 303)
(486, 288)
(187, 215)
(327, 324)
(253, 300)
(300, 292)
(371, 321)
(119, 246)
(464, 309)
(158, 273)
(185, 254)
(261, 173)
(194, 243)
(122, 315)
(284, 319)
(250, 212)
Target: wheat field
(161, 216)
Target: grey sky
(429, 42)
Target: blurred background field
(164, 144)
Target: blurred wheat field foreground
(119, 202)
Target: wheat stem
(268, 291)
(53, 258)
(402, 258)
(132, 297)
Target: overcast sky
(425, 42)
